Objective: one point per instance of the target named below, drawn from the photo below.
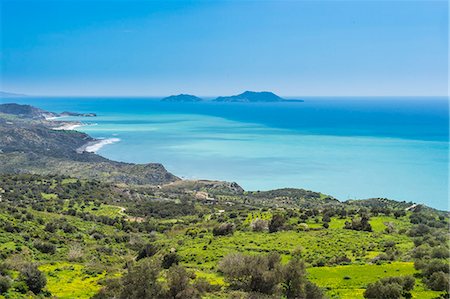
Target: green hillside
(89, 238)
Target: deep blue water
(346, 147)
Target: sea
(346, 147)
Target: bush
(439, 281)
(434, 266)
(260, 273)
(223, 229)
(440, 252)
(276, 223)
(148, 250)
(34, 279)
(178, 284)
(390, 287)
(359, 224)
(295, 284)
(203, 286)
(169, 260)
(259, 225)
(5, 284)
(45, 247)
(264, 274)
(141, 281)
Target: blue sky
(117, 47)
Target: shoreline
(68, 126)
(96, 145)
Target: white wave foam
(68, 127)
(94, 147)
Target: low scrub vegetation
(72, 238)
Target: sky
(210, 48)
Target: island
(182, 98)
(253, 97)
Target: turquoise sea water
(346, 147)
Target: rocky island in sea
(254, 96)
(182, 98)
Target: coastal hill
(27, 111)
(30, 144)
(182, 98)
(253, 96)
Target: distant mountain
(182, 98)
(4, 94)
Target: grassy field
(66, 280)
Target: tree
(259, 274)
(179, 285)
(294, 282)
(169, 260)
(439, 281)
(5, 284)
(34, 279)
(390, 288)
(264, 275)
(148, 250)
(326, 218)
(223, 229)
(141, 281)
(276, 223)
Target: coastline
(68, 126)
(89, 147)
(96, 145)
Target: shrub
(359, 224)
(276, 223)
(169, 260)
(75, 253)
(223, 229)
(178, 284)
(259, 225)
(5, 284)
(45, 247)
(203, 286)
(263, 275)
(295, 284)
(440, 252)
(148, 250)
(439, 281)
(259, 273)
(34, 279)
(390, 287)
(434, 266)
(141, 281)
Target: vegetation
(72, 238)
